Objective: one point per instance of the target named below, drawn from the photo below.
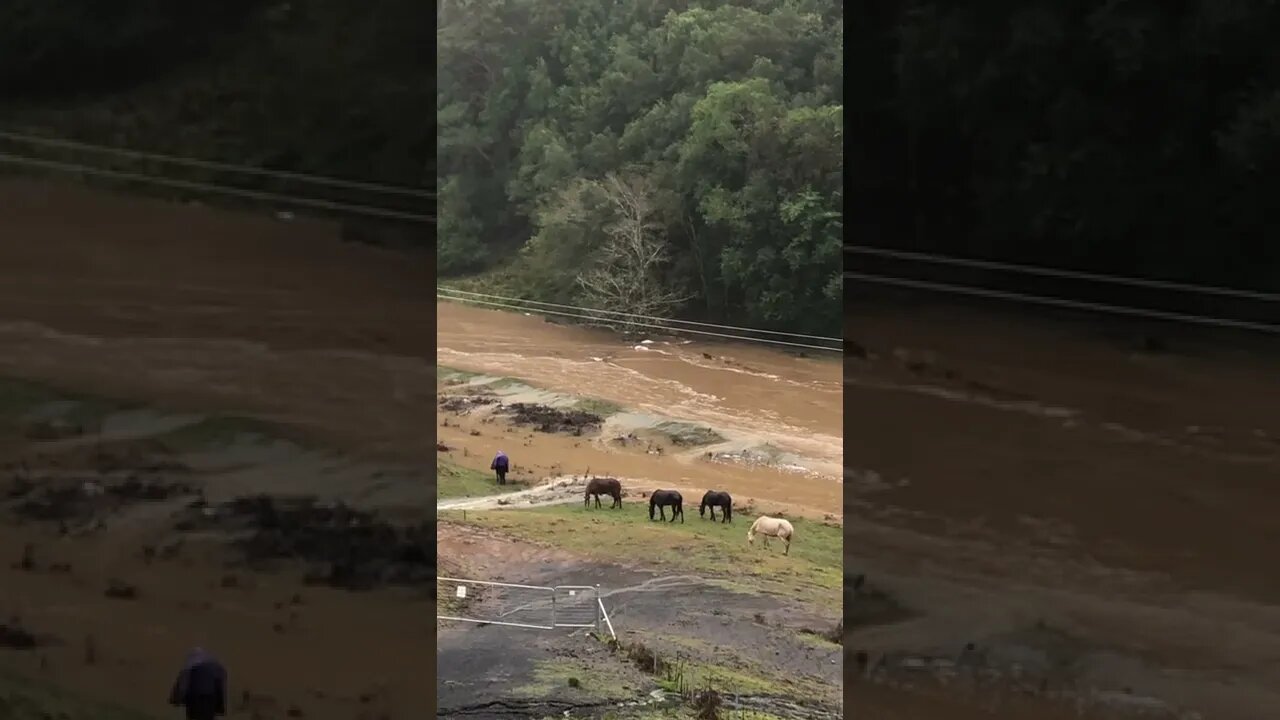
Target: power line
(216, 165)
(1064, 303)
(644, 317)
(209, 187)
(507, 306)
(1068, 274)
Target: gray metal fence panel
(495, 603)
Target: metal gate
(528, 606)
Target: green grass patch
(564, 678)
(455, 377)
(223, 430)
(596, 406)
(687, 434)
(813, 570)
(455, 481)
(22, 401)
(24, 698)
(495, 281)
(451, 376)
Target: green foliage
(332, 87)
(1136, 138)
(722, 120)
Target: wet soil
(552, 420)
(347, 548)
(1065, 515)
(179, 313)
(678, 619)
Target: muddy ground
(1068, 518)
(165, 366)
(680, 619)
(547, 436)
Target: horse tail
(728, 510)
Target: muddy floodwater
(778, 416)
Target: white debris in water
(646, 342)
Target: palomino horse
(771, 527)
(662, 498)
(603, 486)
(717, 499)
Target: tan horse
(771, 527)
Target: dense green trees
(334, 87)
(676, 157)
(1131, 137)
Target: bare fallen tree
(626, 274)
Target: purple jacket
(202, 683)
(500, 462)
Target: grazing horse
(771, 527)
(603, 486)
(717, 499)
(662, 498)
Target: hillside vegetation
(1135, 138)
(668, 157)
(332, 87)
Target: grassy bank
(455, 481)
(23, 698)
(815, 564)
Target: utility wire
(209, 187)
(638, 315)
(1064, 303)
(507, 306)
(1068, 274)
(215, 165)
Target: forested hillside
(671, 157)
(1130, 137)
(335, 87)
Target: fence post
(599, 614)
(554, 593)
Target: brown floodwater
(757, 398)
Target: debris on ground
(347, 548)
(552, 420)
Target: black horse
(662, 498)
(603, 486)
(717, 499)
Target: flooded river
(759, 399)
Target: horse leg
(681, 514)
(786, 546)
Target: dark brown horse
(603, 486)
(662, 498)
(717, 499)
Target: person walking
(500, 465)
(201, 687)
